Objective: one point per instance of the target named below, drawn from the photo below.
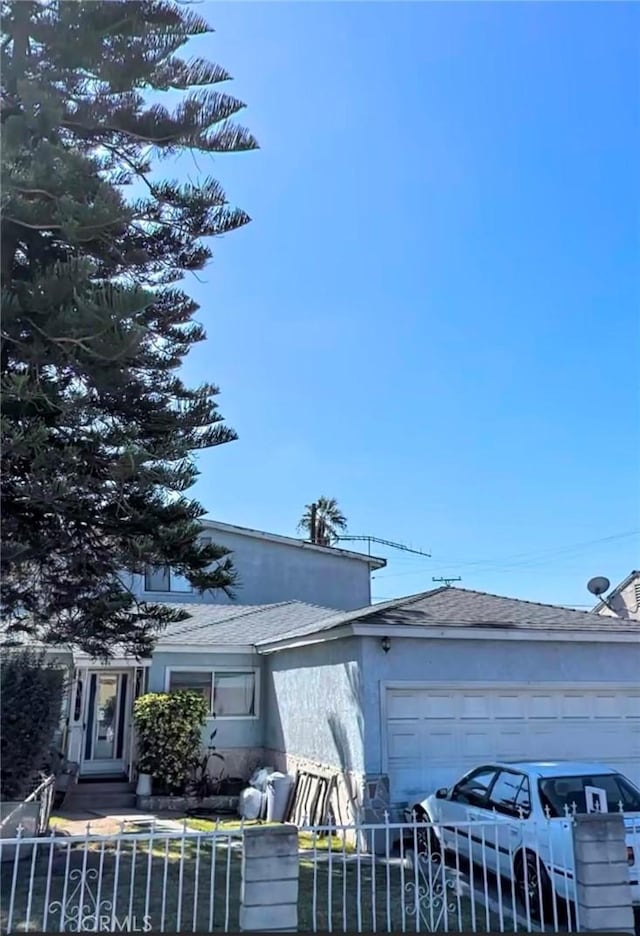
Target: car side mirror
(442, 793)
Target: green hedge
(31, 696)
(169, 735)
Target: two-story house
(282, 583)
(272, 568)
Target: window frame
(164, 591)
(253, 670)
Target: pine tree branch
(60, 227)
(36, 191)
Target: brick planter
(223, 804)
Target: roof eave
(305, 640)
(440, 631)
(374, 562)
(185, 647)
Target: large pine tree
(98, 429)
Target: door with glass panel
(106, 723)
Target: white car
(526, 835)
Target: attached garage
(433, 735)
(413, 692)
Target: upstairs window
(165, 579)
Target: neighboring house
(396, 698)
(272, 568)
(624, 600)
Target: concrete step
(106, 795)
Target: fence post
(270, 869)
(603, 891)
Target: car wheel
(533, 885)
(428, 841)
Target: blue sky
(434, 315)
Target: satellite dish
(598, 585)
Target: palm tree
(322, 521)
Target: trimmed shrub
(31, 696)
(169, 732)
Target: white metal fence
(505, 875)
(160, 879)
(498, 876)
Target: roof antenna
(446, 581)
(598, 586)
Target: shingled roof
(239, 625)
(461, 607)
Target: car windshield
(586, 793)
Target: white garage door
(435, 735)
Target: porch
(98, 732)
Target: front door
(106, 722)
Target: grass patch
(306, 840)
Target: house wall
(313, 705)
(239, 739)
(270, 572)
(517, 661)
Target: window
(164, 579)
(234, 694)
(229, 694)
(196, 680)
(473, 788)
(562, 794)
(510, 794)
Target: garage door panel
(474, 705)
(505, 706)
(433, 736)
(540, 705)
(475, 742)
(404, 743)
(509, 744)
(401, 704)
(608, 705)
(575, 705)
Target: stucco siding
(472, 661)
(313, 704)
(271, 572)
(232, 732)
